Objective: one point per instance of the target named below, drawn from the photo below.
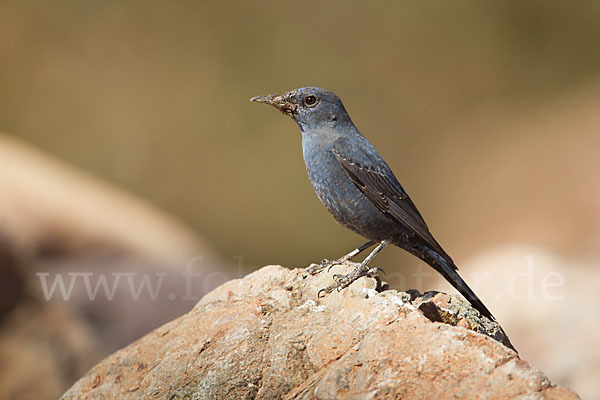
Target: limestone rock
(268, 336)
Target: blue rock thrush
(358, 187)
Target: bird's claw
(343, 281)
(327, 263)
(315, 269)
(326, 290)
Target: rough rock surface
(267, 336)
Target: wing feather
(386, 193)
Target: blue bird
(358, 187)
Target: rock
(57, 221)
(43, 349)
(48, 206)
(12, 284)
(545, 299)
(268, 336)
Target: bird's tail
(446, 267)
(443, 264)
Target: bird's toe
(313, 269)
(373, 272)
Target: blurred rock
(42, 350)
(12, 284)
(60, 223)
(268, 336)
(48, 207)
(546, 304)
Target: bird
(359, 189)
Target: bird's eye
(310, 100)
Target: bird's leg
(342, 281)
(325, 263)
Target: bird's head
(310, 107)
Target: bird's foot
(343, 281)
(315, 269)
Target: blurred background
(129, 144)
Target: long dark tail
(443, 264)
(446, 267)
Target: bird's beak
(279, 101)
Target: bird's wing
(383, 189)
